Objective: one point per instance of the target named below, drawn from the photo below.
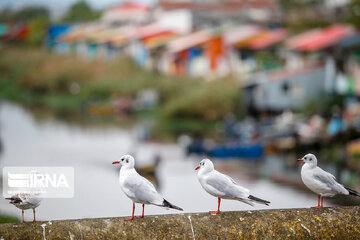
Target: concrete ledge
(326, 223)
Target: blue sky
(58, 7)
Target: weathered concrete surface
(327, 223)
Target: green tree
(354, 13)
(37, 31)
(25, 14)
(80, 11)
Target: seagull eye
(127, 161)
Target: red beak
(197, 168)
(116, 162)
(300, 160)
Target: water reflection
(91, 150)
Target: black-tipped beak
(116, 162)
(300, 160)
(197, 168)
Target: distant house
(216, 12)
(126, 13)
(288, 89)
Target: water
(91, 150)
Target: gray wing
(329, 180)
(143, 190)
(227, 185)
(34, 200)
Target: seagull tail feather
(14, 200)
(259, 200)
(353, 192)
(169, 205)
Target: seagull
(139, 189)
(321, 182)
(222, 186)
(25, 201)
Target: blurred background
(251, 84)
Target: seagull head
(126, 161)
(205, 166)
(309, 159)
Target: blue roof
(350, 41)
(55, 31)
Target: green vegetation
(353, 10)
(42, 79)
(8, 219)
(24, 14)
(80, 11)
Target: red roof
(319, 38)
(149, 30)
(130, 6)
(231, 5)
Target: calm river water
(27, 141)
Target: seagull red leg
(216, 212)
(322, 200)
(22, 211)
(318, 206)
(34, 215)
(142, 212)
(132, 217)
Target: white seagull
(321, 182)
(222, 186)
(138, 188)
(25, 201)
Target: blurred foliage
(354, 13)
(267, 60)
(80, 11)
(323, 105)
(37, 77)
(8, 219)
(296, 4)
(209, 101)
(301, 15)
(25, 14)
(37, 31)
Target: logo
(46, 182)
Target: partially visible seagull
(321, 182)
(222, 186)
(138, 188)
(25, 201)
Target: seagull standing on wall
(222, 186)
(321, 182)
(137, 188)
(24, 202)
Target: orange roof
(188, 41)
(268, 39)
(247, 41)
(159, 40)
